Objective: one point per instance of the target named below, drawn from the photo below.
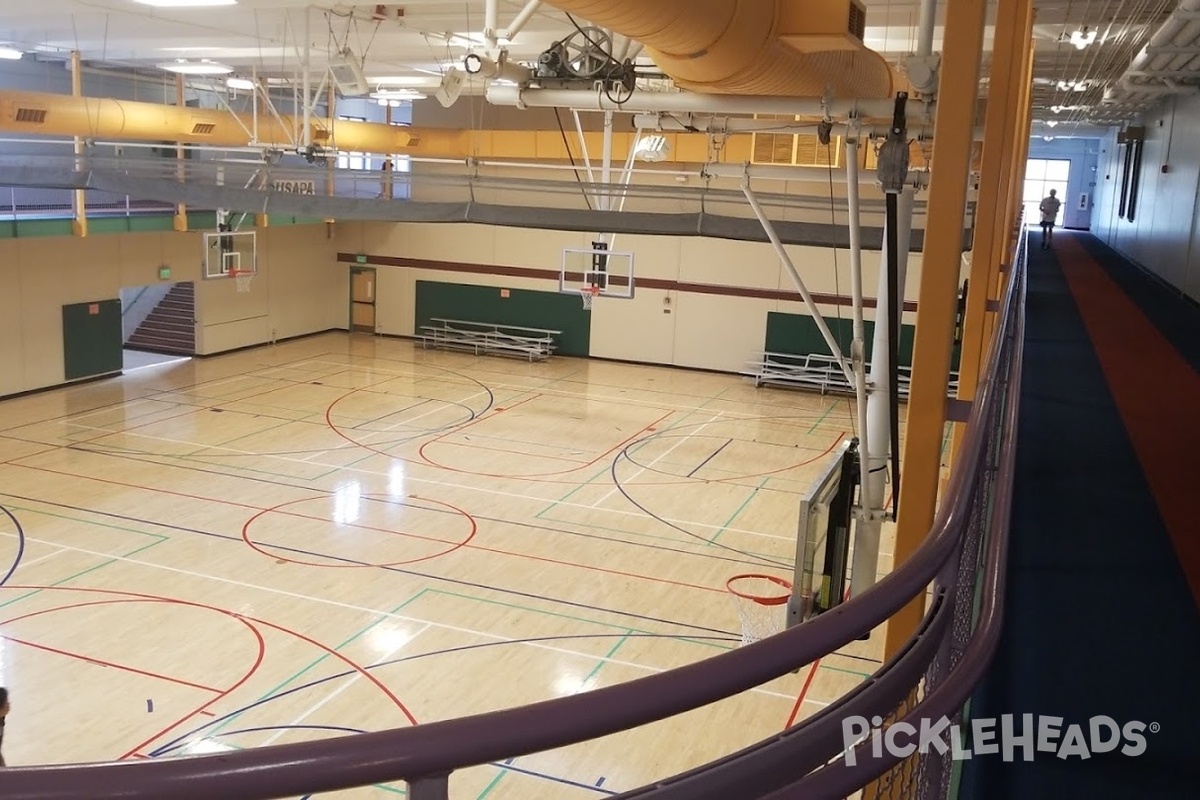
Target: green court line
(740, 509)
(219, 445)
(603, 470)
(828, 411)
(383, 617)
(88, 521)
(81, 573)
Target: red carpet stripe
(1157, 395)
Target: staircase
(170, 327)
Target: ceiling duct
(102, 118)
(751, 47)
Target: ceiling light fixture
(393, 97)
(240, 83)
(10, 54)
(186, 3)
(202, 67)
(1081, 39)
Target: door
(92, 341)
(1042, 175)
(362, 299)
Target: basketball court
(346, 533)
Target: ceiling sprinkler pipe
(689, 102)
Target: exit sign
(164, 273)
(361, 259)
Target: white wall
(702, 329)
(1163, 235)
(299, 290)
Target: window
(352, 160)
(1042, 175)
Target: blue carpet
(1099, 619)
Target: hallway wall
(1163, 235)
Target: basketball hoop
(757, 599)
(243, 278)
(588, 293)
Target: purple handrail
(437, 749)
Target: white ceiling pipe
(667, 123)
(685, 102)
(916, 178)
(521, 19)
(927, 21)
(1166, 36)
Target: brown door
(362, 299)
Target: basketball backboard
(609, 271)
(228, 252)
(823, 536)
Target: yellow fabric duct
(57, 115)
(102, 118)
(790, 48)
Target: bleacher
(816, 372)
(486, 338)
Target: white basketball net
(587, 293)
(761, 605)
(243, 280)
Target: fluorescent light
(240, 83)
(10, 54)
(1081, 39)
(186, 3)
(386, 96)
(201, 67)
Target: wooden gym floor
(347, 533)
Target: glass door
(1042, 175)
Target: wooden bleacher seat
(487, 338)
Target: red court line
(250, 622)
(103, 663)
(535, 475)
(260, 511)
(1157, 393)
(812, 672)
(134, 597)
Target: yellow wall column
(180, 222)
(79, 224)
(937, 304)
(999, 145)
(1015, 189)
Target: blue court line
(710, 458)
(20, 545)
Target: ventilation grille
(794, 149)
(203, 128)
(857, 22)
(35, 116)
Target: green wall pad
(92, 339)
(797, 334)
(529, 309)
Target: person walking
(3, 715)
(1049, 208)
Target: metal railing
(434, 182)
